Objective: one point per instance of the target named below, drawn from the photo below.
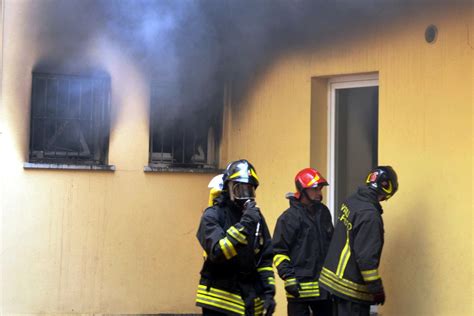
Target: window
(184, 137)
(69, 119)
(353, 142)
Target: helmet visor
(241, 191)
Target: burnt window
(69, 119)
(185, 136)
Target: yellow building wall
(425, 133)
(81, 242)
(85, 242)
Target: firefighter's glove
(293, 287)
(269, 305)
(251, 215)
(379, 298)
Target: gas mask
(240, 192)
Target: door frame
(340, 82)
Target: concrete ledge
(54, 166)
(151, 314)
(185, 170)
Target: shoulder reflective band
(370, 275)
(227, 248)
(265, 269)
(234, 233)
(279, 259)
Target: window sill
(183, 170)
(55, 166)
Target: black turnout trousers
(318, 308)
(344, 307)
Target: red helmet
(308, 178)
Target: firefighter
(350, 271)
(300, 243)
(237, 276)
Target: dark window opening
(356, 151)
(186, 137)
(69, 119)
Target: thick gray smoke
(189, 48)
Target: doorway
(353, 135)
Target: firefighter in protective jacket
(350, 271)
(300, 243)
(237, 276)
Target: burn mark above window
(69, 119)
(185, 137)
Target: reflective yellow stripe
(355, 286)
(370, 279)
(254, 174)
(307, 289)
(234, 233)
(312, 181)
(258, 306)
(235, 175)
(265, 269)
(344, 258)
(225, 301)
(344, 290)
(390, 188)
(309, 285)
(279, 259)
(208, 300)
(368, 178)
(370, 275)
(221, 299)
(224, 249)
(291, 281)
(271, 280)
(233, 252)
(221, 293)
(227, 248)
(304, 294)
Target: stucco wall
(425, 132)
(83, 241)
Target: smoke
(190, 48)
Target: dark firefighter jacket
(237, 273)
(300, 243)
(351, 267)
